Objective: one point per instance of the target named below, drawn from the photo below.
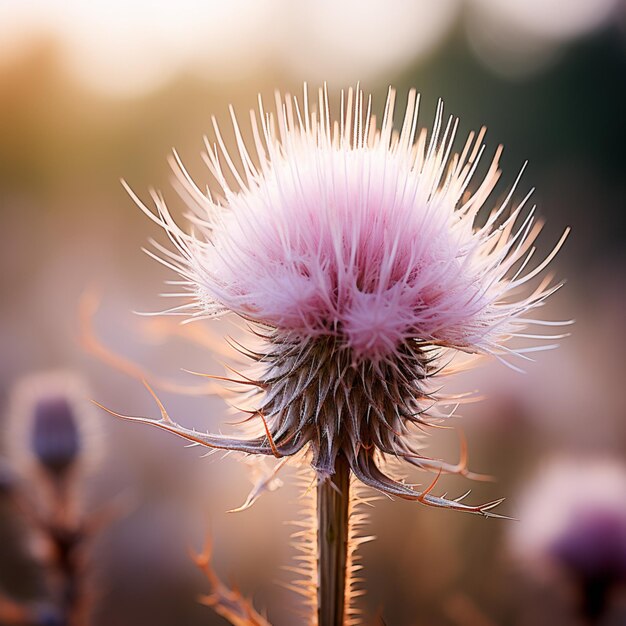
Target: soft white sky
(129, 46)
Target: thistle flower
(355, 255)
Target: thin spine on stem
(309, 582)
(333, 519)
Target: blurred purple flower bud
(573, 526)
(7, 478)
(55, 438)
(594, 545)
(51, 425)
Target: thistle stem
(333, 500)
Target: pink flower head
(356, 252)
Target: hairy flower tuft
(356, 255)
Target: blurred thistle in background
(572, 530)
(52, 432)
(53, 443)
(91, 92)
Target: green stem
(333, 500)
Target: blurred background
(91, 92)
